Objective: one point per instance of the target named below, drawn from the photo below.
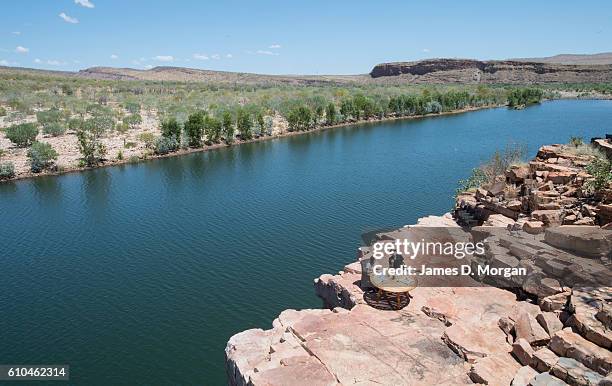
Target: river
(138, 274)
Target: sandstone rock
(544, 360)
(514, 205)
(548, 217)
(471, 344)
(306, 372)
(541, 286)
(555, 302)
(545, 379)
(533, 227)
(507, 326)
(523, 376)
(496, 189)
(527, 328)
(586, 240)
(588, 221)
(565, 343)
(574, 373)
(550, 322)
(561, 177)
(522, 351)
(585, 303)
(494, 370)
(517, 174)
(498, 220)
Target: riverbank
(149, 125)
(547, 322)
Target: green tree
(89, 137)
(228, 127)
(41, 156)
(601, 170)
(165, 145)
(170, 128)
(299, 119)
(7, 170)
(244, 124)
(212, 129)
(330, 113)
(261, 123)
(194, 128)
(23, 134)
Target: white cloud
(148, 67)
(164, 58)
(274, 46)
(16, 33)
(426, 50)
(113, 56)
(22, 50)
(84, 3)
(68, 19)
(200, 56)
(37, 60)
(264, 52)
(4, 62)
(215, 56)
(229, 56)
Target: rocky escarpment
(506, 71)
(449, 335)
(551, 325)
(550, 190)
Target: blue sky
(292, 37)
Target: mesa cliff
(505, 71)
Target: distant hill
(559, 69)
(602, 58)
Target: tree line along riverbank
(58, 127)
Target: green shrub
(22, 135)
(53, 115)
(130, 145)
(41, 156)
(120, 155)
(133, 120)
(476, 179)
(576, 141)
(54, 129)
(7, 170)
(148, 139)
(165, 145)
(601, 170)
(2, 111)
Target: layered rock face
(550, 190)
(471, 334)
(506, 71)
(550, 326)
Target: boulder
(589, 241)
(533, 227)
(494, 370)
(548, 217)
(498, 220)
(524, 376)
(545, 379)
(566, 343)
(574, 373)
(541, 286)
(549, 322)
(527, 328)
(522, 351)
(555, 302)
(544, 360)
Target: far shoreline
(182, 152)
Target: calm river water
(139, 274)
